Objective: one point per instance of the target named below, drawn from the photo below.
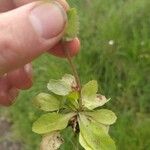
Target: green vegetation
(70, 104)
(115, 37)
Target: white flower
(111, 42)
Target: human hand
(27, 30)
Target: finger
(73, 46)
(29, 31)
(8, 98)
(21, 78)
(7, 92)
(18, 3)
(6, 5)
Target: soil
(6, 141)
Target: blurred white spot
(142, 43)
(111, 42)
(119, 85)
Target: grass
(122, 70)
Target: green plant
(70, 104)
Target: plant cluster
(70, 104)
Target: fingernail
(48, 19)
(28, 70)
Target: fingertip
(73, 46)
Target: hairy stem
(75, 73)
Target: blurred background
(115, 39)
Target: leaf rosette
(62, 107)
(67, 104)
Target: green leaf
(51, 141)
(89, 90)
(69, 80)
(72, 26)
(73, 96)
(83, 143)
(94, 135)
(90, 99)
(103, 116)
(58, 87)
(98, 101)
(51, 122)
(72, 100)
(63, 86)
(46, 102)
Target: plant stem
(75, 73)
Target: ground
(6, 143)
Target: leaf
(100, 100)
(73, 96)
(90, 99)
(83, 143)
(46, 102)
(89, 90)
(72, 100)
(94, 135)
(103, 116)
(69, 80)
(51, 122)
(58, 87)
(51, 141)
(63, 86)
(72, 26)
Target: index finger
(6, 5)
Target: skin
(16, 54)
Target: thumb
(29, 31)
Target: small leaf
(51, 122)
(89, 97)
(97, 102)
(46, 102)
(89, 90)
(58, 87)
(103, 116)
(63, 86)
(72, 26)
(73, 96)
(72, 100)
(95, 135)
(51, 141)
(69, 80)
(101, 100)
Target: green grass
(122, 70)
